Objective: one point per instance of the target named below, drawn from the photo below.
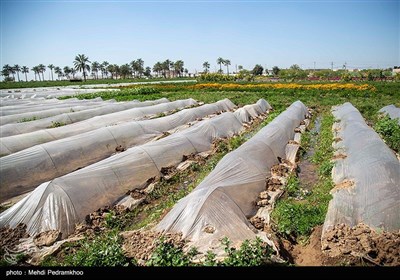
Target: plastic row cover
(38, 106)
(392, 111)
(72, 117)
(65, 201)
(45, 113)
(47, 92)
(19, 142)
(372, 172)
(221, 204)
(56, 158)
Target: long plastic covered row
(72, 117)
(392, 111)
(45, 113)
(367, 176)
(37, 107)
(220, 205)
(65, 201)
(56, 158)
(15, 143)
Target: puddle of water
(308, 175)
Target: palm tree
(17, 69)
(206, 66)
(227, 62)
(157, 68)
(178, 67)
(58, 71)
(42, 69)
(51, 67)
(36, 70)
(103, 68)
(140, 66)
(125, 70)
(165, 67)
(220, 61)
(110, 68)
(25, 70)
(7, 69)
(95, 68)
(67, 71)
(81, 64)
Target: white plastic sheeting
(57, 158)
(45, 113)
(47, 92)
(392, 111)
(65, 201)
(40, 106)
(15, 143)
(372, 194)
(72, 117)
(220, 205)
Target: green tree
(17, 69)
(36, 71)
(67, 71)
(6, 71)
(125, 70)
(42, 69)
(220, 61)
(178, 67)
(158, 68)
(206, 66)
(275, 70)
(95, 69)
(147, 72)
(51, 67)
(58, 71)
(25, 70)
(103, 69)
(227, 62)
(257, 70)
(81, 63)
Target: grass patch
(297, 218)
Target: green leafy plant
(104, 250)
(389, 129)
(167, 254)
(250, 253)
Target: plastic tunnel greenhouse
(56, 158)
(72, 117)
(45, 113)
(65, 201)
(220, 205)
(367, 178)
(19, 142)
(392, 111)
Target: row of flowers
(331, 86)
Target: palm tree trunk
(84, 75)
(18, 75)
(26, 78)
(52, 75)
(43, 76)
(227, 69)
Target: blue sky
(362, 33)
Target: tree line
(171, 69)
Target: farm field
(228, 174)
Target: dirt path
(309, 254)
